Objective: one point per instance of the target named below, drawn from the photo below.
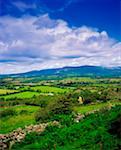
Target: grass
(87, 108)
(30, 109)
(10, 123)
(79, 79)
(21, 95)
(49, 89)
(94, 82)
(7, 124)
(5, 91)
(92, 133)
(89, 79)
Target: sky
(42, 34)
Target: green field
(20, 95)
(24, 116)
(34, 91)
(88, 108)
(80, 79)
(89, 79)
(5, 91)
(49, 89)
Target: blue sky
(102, 14)
(39, 34)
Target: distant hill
(90, 71)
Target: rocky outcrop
(7, 140)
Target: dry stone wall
(7, 140)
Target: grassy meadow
(20, 95)
(49, 89)
(23, 115)
(88, 108)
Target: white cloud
(23, 6)
(39, 42)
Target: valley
(31, 101)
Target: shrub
(60, 106)
(65, 120)
(24, 111)
(42, 115)
(7, 112)
(88, 96)
(43, 103)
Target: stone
(80, 100)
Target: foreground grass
(92, 133)
(25, 115)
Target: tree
(62, 105)
(42, 115)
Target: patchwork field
(49, 89)
(5, 91)
(62, 101)
(21, 95)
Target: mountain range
(90, 71)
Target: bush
(42, 115)
(7, 112)
(24, 111)
(60, 106)
(43, 103)
(65, 120)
